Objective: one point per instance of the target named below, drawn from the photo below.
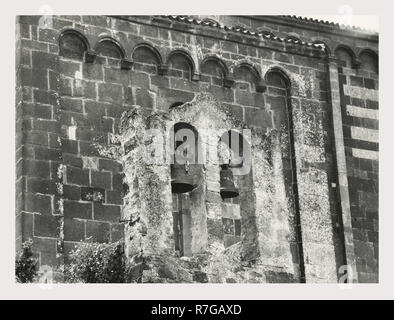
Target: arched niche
(235, 142)
(187, 189)
(146, 57)
(110, 48)
(276, 170)
(369, 61)
(238, 212)
(181, 64)
(184, 132)
(247, 77)
(277, 78)
(72, 44)
(213, 70)
(278, 96)
(346, 55)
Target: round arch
(115, 43)
(218, 61)
(182, 52)
(282, 73)
(152, 49)
(75, 47)
(348, 50)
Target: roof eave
(320, 26)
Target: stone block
(69, 68)
(109, 92)
(114, 197)
(92, 71)
(35, 185)
(369, 83)
(35, 168)
(77, 176)
(46, 125)
(38, 203)
(88, 149)
(46, 225)
(74, 230)
(85, 89)
(117, 231)
(44, 60)
(149, 31)
(72, 160)
(37, 78)
(259, 117)
(98, 231)
(70, 104)
(71, 192)
(101, 179)
(74, 209)
(110, 165)
(110, 213)
(27, 226)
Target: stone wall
(77, 75)
(360, 119)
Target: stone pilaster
(341, 167)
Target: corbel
(90, 56)
(228, 82)
(261, 86)
(126, 64)
(356, 63)
(162, 69)
(196, 76)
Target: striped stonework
(364, 134)
(365, 154)
(360, 120)
(362, 112)
(361, 93)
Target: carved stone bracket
(356, 64)
(126, 64)
(196, 76)
(162, 69)
(228, 82)
(90, 56)
(261, 86)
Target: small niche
(72, 45)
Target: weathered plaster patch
(90, 163)
(274, 211)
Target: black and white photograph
(196, 149)
(196, 159)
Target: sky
(363, 21)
